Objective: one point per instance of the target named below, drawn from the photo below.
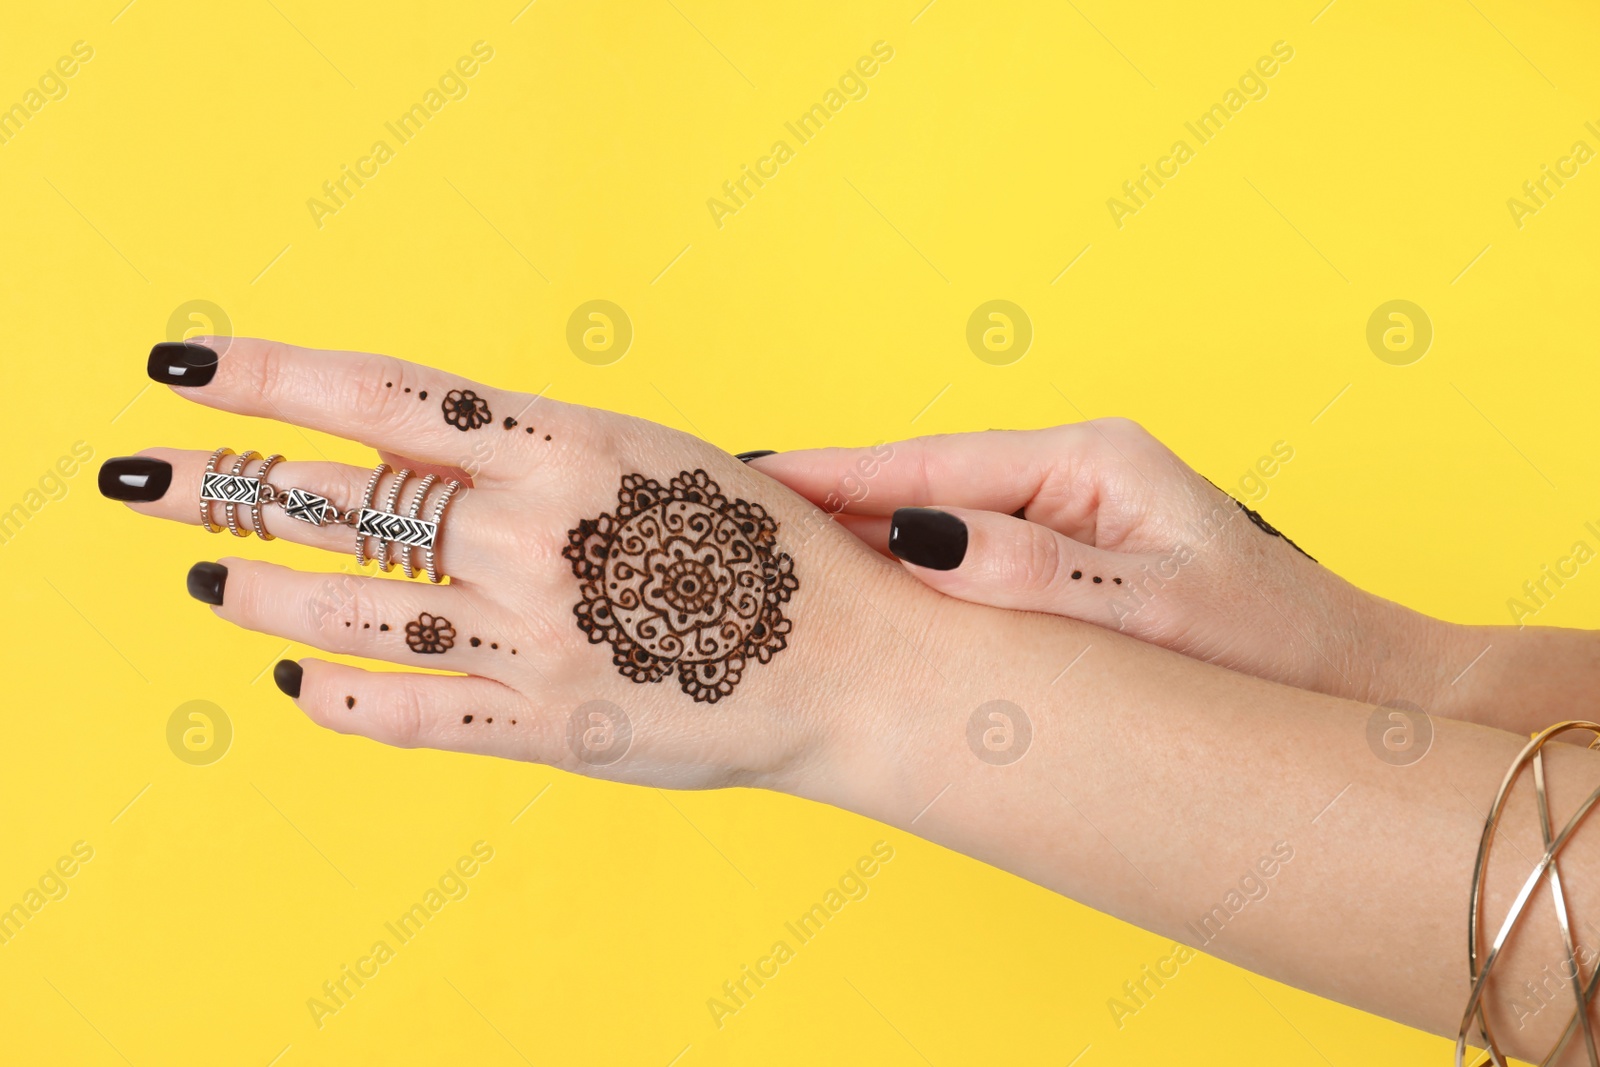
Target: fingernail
(182, 363)
(135, 478)
(288, 674)
(929, 538)
(207, 581)
(746, 457)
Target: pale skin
(1153, 781)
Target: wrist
(1392, 653)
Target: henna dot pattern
(510, 423)
(349, 702)
(430, 635)
(1097, 579)
(384, 627)
(476, 641)
(681, 578)
(465, 410)
(466, 718)
(422, 395)
(1076, 575)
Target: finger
(996, 470)
(1057, 476)
(465, 523)
(1007, 562)
(462, 714)
(381, 401)
(354, 615)
(873, 530)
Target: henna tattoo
(384, 627)
(466, 718)
(510, 423)
(475, 642)
(681, 577)
(465, 410)
(1255, 517)
(430, 635)
(349, 702)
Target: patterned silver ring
(383, 524)
(231, 508)
(366, 505)
(205, 501)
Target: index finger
(381, 401)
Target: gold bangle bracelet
(1583, 993)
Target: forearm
(1153, 785)
(1519, 679)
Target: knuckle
(1123, 428)
(402, 717)
(375, 387)
(268, 372)
(1032, 561)
(337, 611)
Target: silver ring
(416, 509)
(430, 553)
(267, 495)
(366, 506)
(400, 478)
(404, 532)
(205, 501)
(231, 509)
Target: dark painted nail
(288, 674)
(182, 363)
(207, 581)
(746, 457)
(135, 478)
(929, 538)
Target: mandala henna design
(430, 635)
(681, 577)
(465, 410)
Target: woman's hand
(1101, 522)
(617, 588)
(1145, 785)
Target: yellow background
(1227, 315)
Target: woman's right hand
(1101, 522)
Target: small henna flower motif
(465, 410)
(430, 635)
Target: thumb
(1007, 562)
